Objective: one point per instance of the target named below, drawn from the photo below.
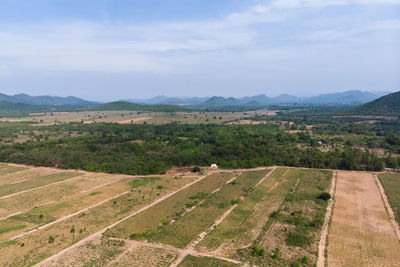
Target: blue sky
(112, 49)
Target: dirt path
(100, 232)
(325, 228)
(360, 232)
(181, 252)
(388, 208)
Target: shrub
(51, 239)
(257, 251)
(297, 239)
(325, 196)
(196, 169)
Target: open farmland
(361, 233)
(128, 116)
(265, 216)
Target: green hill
(122, 105)
(386, 105)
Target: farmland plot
(170, 209)
(361, 233)
(55, 192)
(25, 174)
(39, 216)
(292, 233)
(39, 245)
(185, 229)
(245, 222)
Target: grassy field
(48, 213)
(186, 228)
(9, 189)
(391, 184)
(290, 237)
(41, 244)
(55, 192)
(126, 116)
(245, 222)
(170, 209)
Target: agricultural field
(272, 216)
(127, 116)
(361, 232)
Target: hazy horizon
(108, 50)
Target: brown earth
(361, 233)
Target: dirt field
(361, 233)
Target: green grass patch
(95, 193)
(11, 169)
(142, 181)
(192, 261)
(391, 184)
(188, 227)
(10, 225)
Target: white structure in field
(214, 166)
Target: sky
(106, 50)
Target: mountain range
(348, 98)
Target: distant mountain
(123, 105)
(386, 105)
(348, 98)
(47, 101)
(164, 100)
(218, 101)
(345, 98)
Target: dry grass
(54, 193)
(26, 174)
(51, 212)
(361, 233)
(37, 247)
(8, 189)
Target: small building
(214, 166)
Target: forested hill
(386, 105)
(122, 105)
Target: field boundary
(324, 235)
(387, 206)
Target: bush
(51, 239)
(196, 169)
(257, 251)
(297, 239)
(325, 196)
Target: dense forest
(148, 149)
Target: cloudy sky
(112, 49)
